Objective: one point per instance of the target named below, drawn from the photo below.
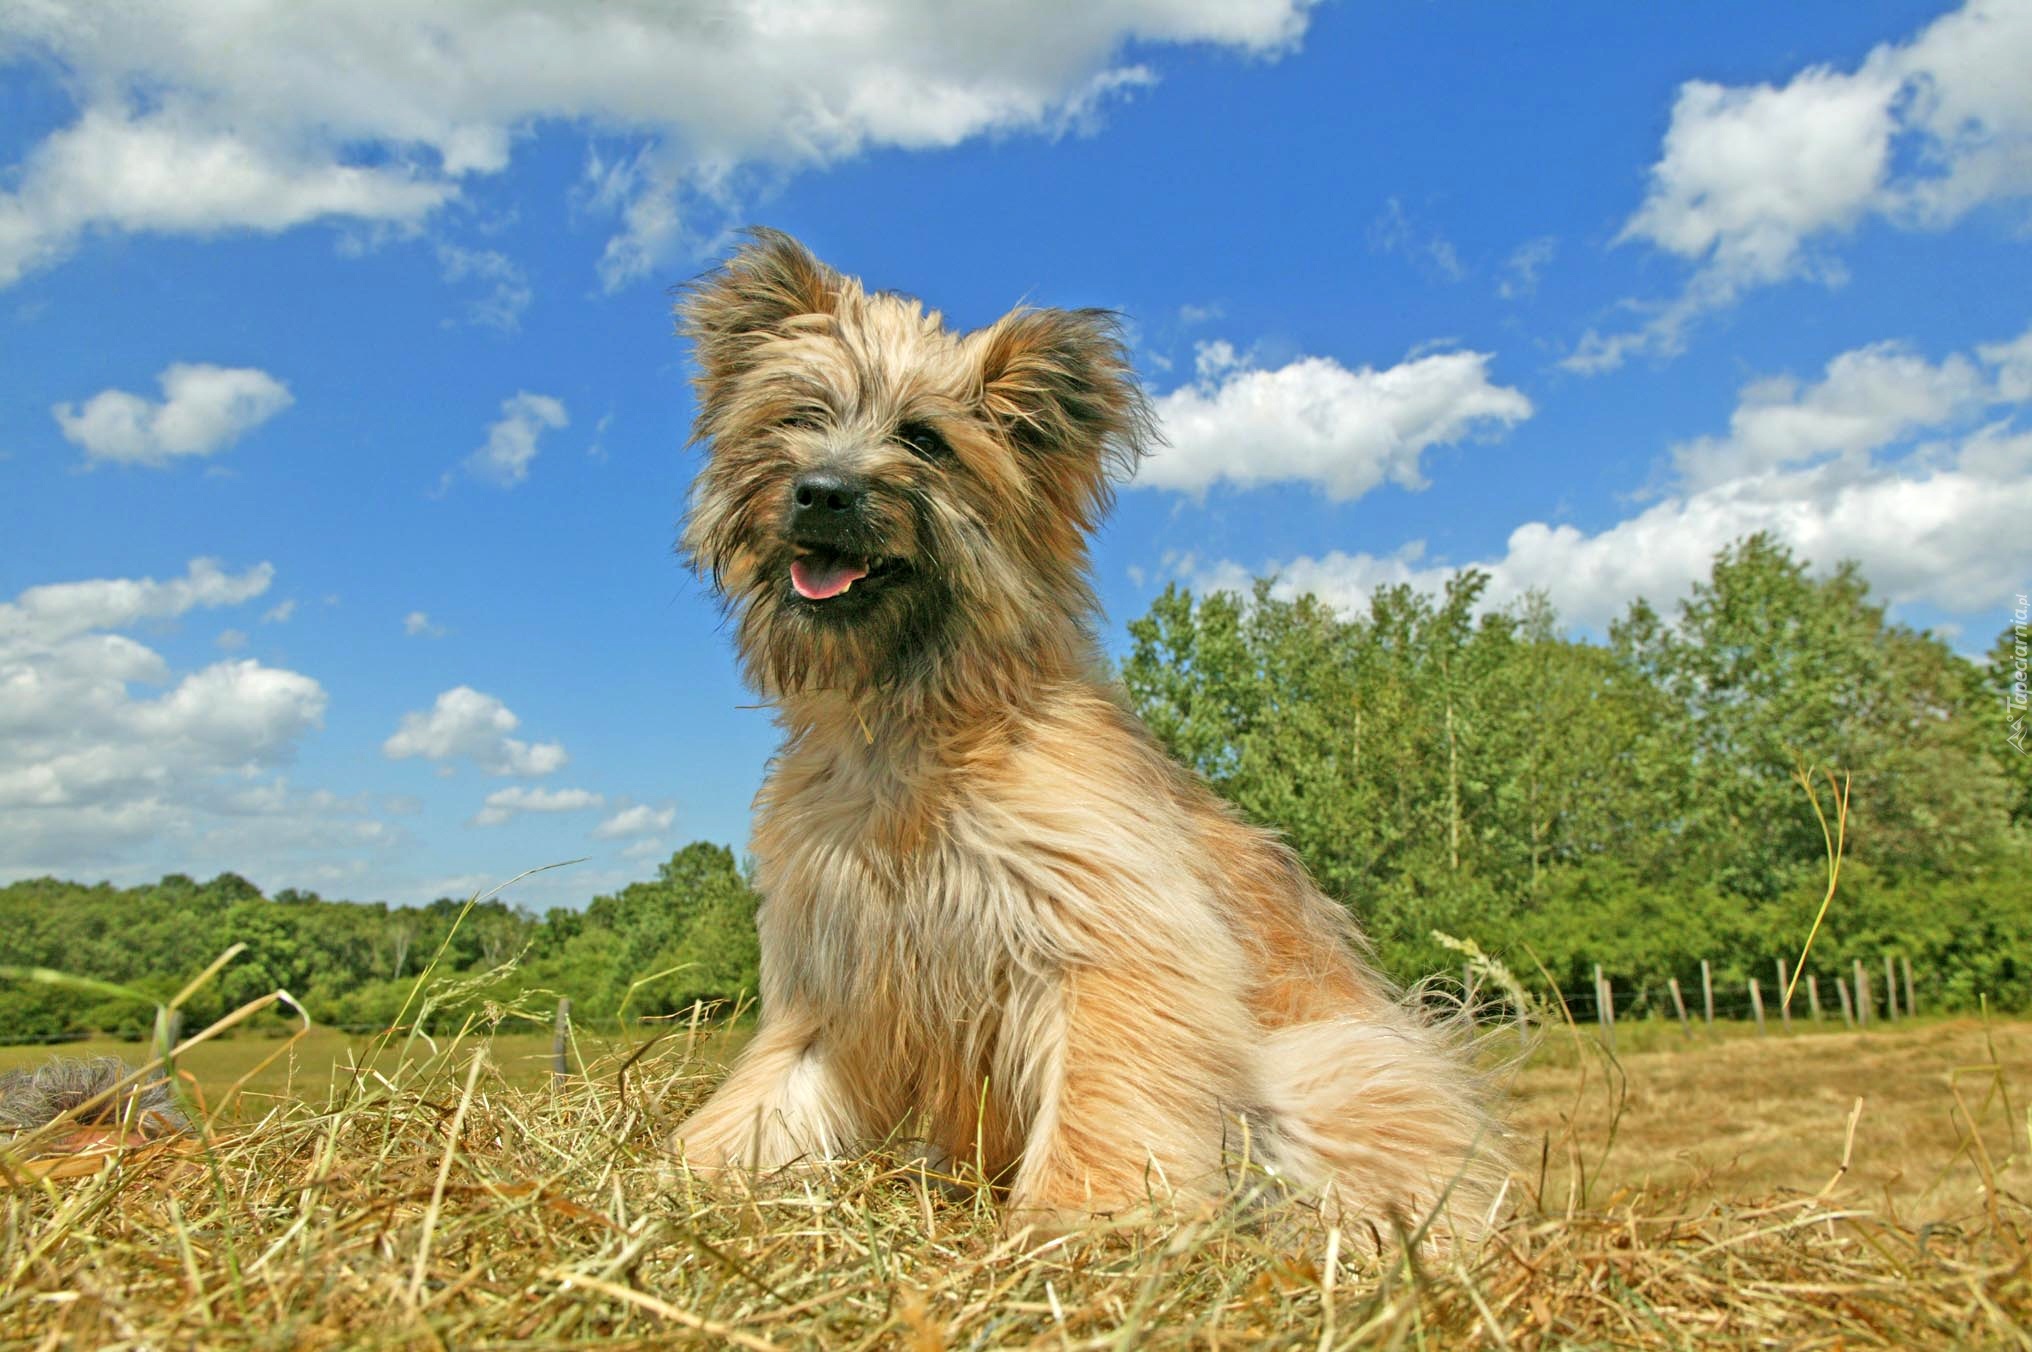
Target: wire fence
(1860, 997)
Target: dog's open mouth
(821, 575)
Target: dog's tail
(1388, 1125)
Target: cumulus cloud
(331, 109)
(105, 749)
(203, 410)
(187, 167)
(1752, 179)
(1748, 174)
(512, 438)
(503, 804)
(418, 624)
(465, 724)
(1950, 537)
(1939, 523)
(639, 820)
(2013, 362)
(1315, 421)
(1868, 398)
(45, 616)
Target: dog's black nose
(826, 502)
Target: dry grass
(450, 1199)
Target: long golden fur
(996, 916)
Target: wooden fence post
(1707, 993)
(1605, 1007)
(1757, 1004)
(1813, 996)
(1890, 990)
(1863, 1000)
(1911, 1005)
(560, 1038)
(1679, 1003)
(1841, 988)
(1784, 995)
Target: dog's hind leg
(781, 1104)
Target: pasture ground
(1690, 1193)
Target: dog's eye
(804, 420)
(924, 441)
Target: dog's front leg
(1128, 1068)
(782, 1103)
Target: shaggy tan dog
(996, 916)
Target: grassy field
(1690, 1192)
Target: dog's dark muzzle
(829, 509)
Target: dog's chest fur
(918, 907)
(873, 896)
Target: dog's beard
(816, 620)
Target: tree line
(1444, 767)
(653, 947)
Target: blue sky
(342, 427)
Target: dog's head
(879, 491)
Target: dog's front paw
(690, 1152)
(1032, 1224)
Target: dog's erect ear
(1060, 384)
(769, 281)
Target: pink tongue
(822, 582)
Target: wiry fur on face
(985, 459)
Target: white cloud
(280, 612)
(48, 614)
(381, 111)
(231, 640)
(1951, 537)
(203, 410)
(1394, 232)
(649, 847)
(1941, 524)
(503, 804)
(512, 438)
(465, 724)
(640, 819)
(1971, 111)
(1524, 265)
(417, 624)
(2013, 361)
(1869, 398)
(598, 450)
(188, 167)
(1751, 179)
(1314, 421)
(1748, 174)
(106, 751)
(506, 291)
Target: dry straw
(426, 1197)
(434, 1202)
